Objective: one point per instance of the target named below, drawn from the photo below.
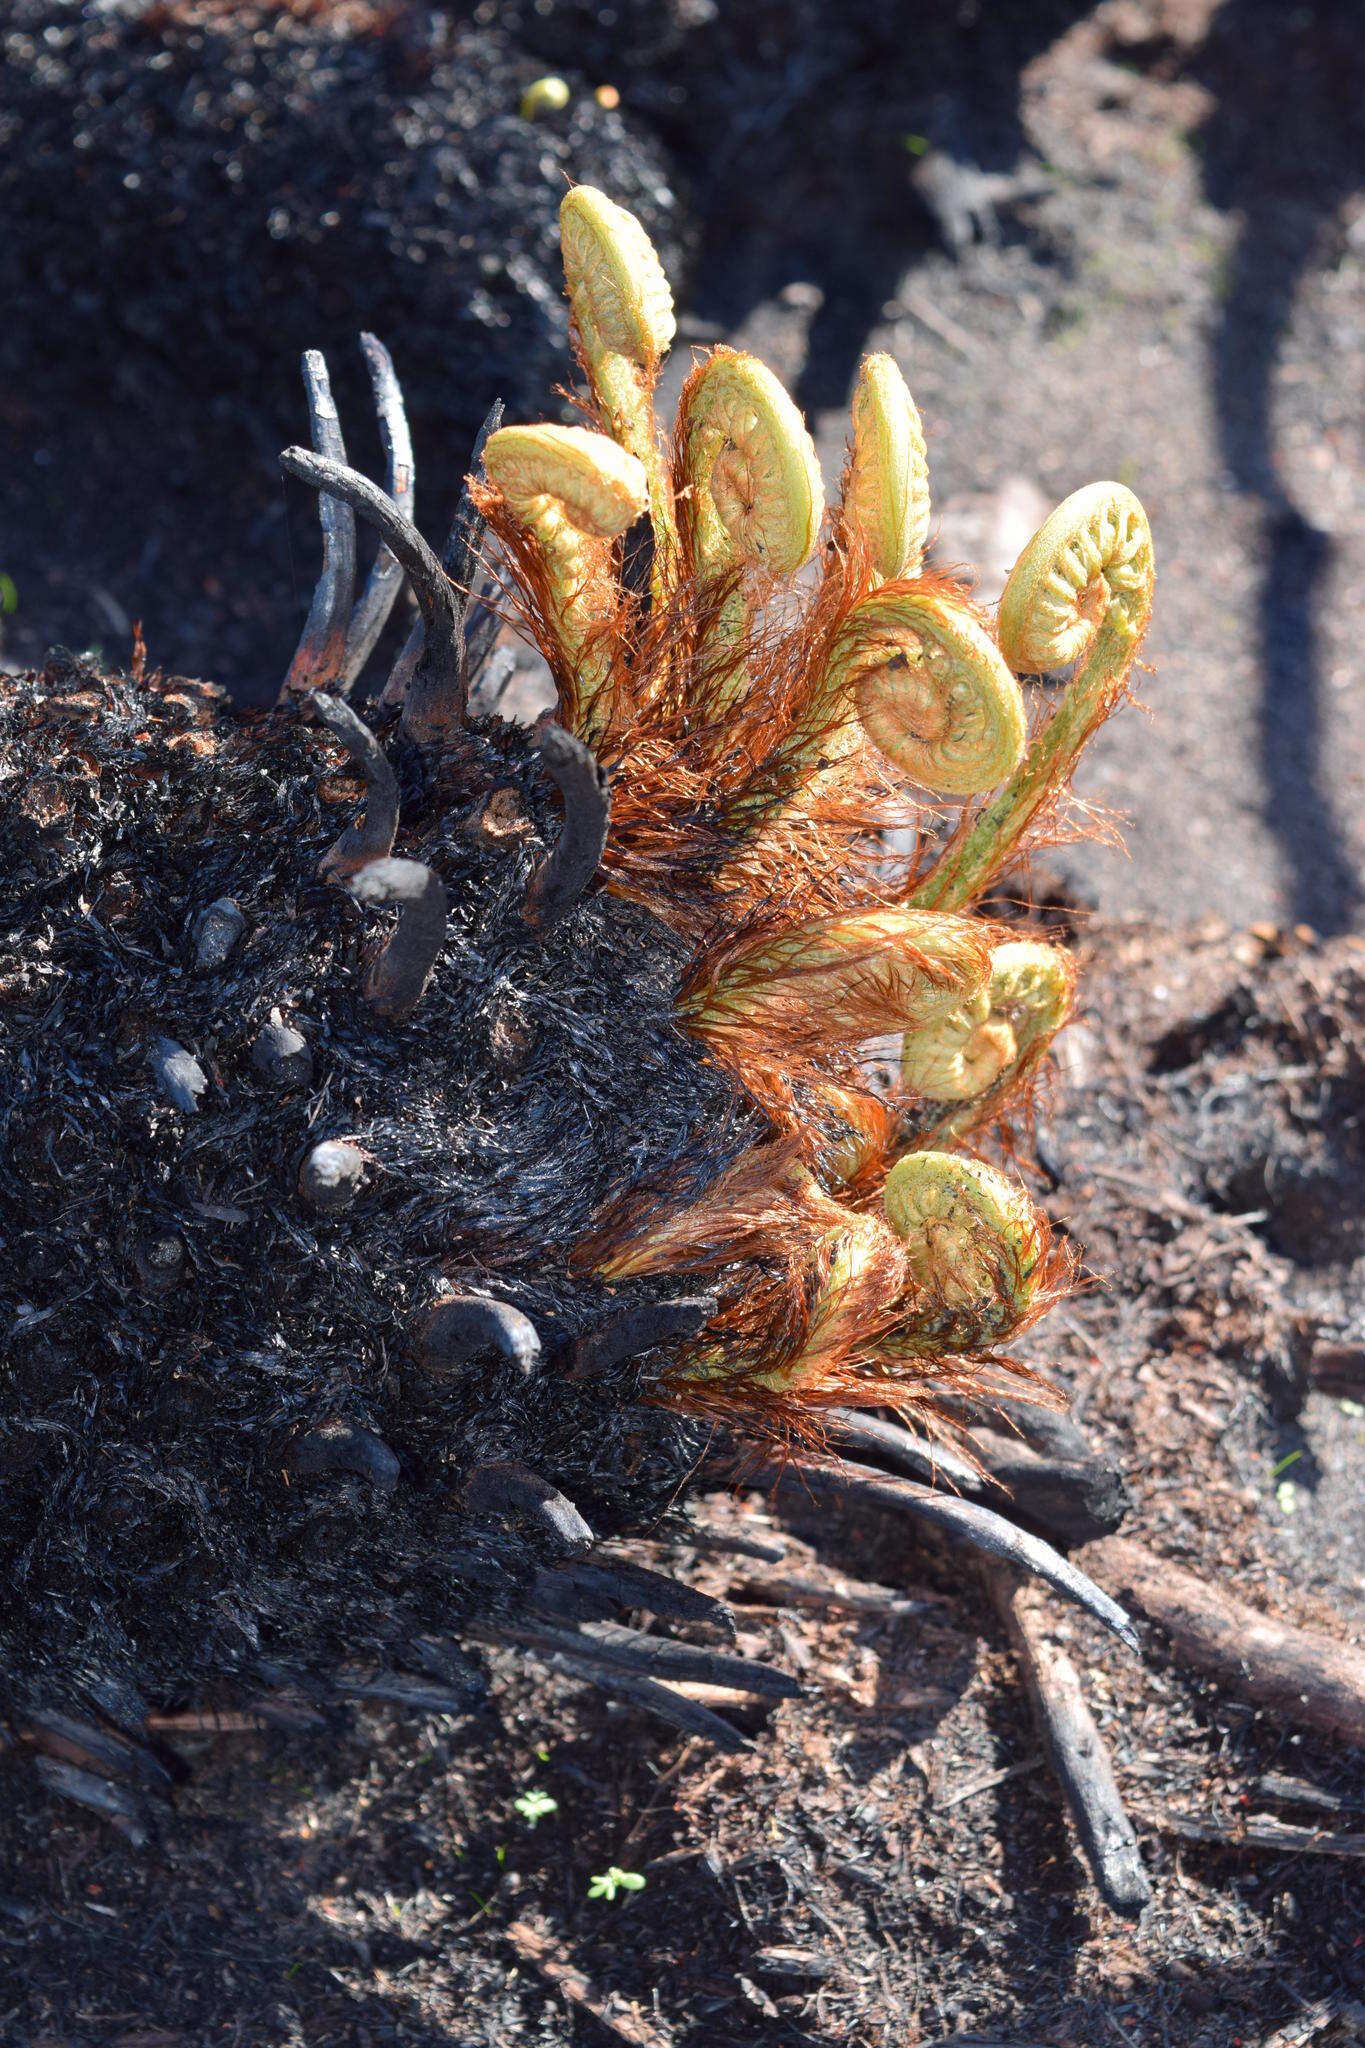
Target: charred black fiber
(162, 1537)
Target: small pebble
(330, 1177)
(182, 1078)
(217, 935)
(281, 1054)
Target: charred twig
(626, 1649)
(852, 1596)
(345, 1447)
(650, 1693)
(504, 1488)
(396, 982)
(553, 1963)
(640, 1329)
(966, 1521)
(1254, 1831)
(369, 837)
(600, 1586)
(467, 529)
(1300, 1674)
(385, 579)
(459, 560)
(398, 1689)
(565, 873)
(1072, 1500)
(1074, 1744)
(435, 705)
(870, 1436)
(113, 1803)
(321, 650)
(87, 1747)
(462, 1325)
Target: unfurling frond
(575, 492)
(886, 501)
(623, 311)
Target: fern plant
(390, 1212)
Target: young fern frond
(931, 688)
(979, 1058)
(623, 312)
(755, 498)
(575, 492)
(1082, 588)
(886, 495)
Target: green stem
(967, 866)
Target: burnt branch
(1074, 1745)
(399, 976)
(600, 1587)
(460, 563)
(321, 650)
(870, 1436)
(439, 684)
(369, 837)
(963, 1521)
(463, 1325)
(626, 1649)
(1071, 1499)
(565, 873)
(385, 579)
(670, 1706)
(1301, 1675)
(113, 1803)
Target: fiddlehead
(886, 498)
(977, 1058)
(1082, 587)
(623, 310)
(932, 690)
(755, 497)
(975, 1246)
(575, 492)
(839, 980)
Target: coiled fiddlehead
(1082, 587)
(575, 492)
(623, 310)
(974, 1245)
(886, 499)
(977, 1057)
(755, 497)
(838, 980)
(932, 690)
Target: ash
(173, 1319)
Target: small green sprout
(9, 595)
(534, 1805)
(609, 1882)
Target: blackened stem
(565, 873)
(440, 682)
(385, 579)
(321, 650)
